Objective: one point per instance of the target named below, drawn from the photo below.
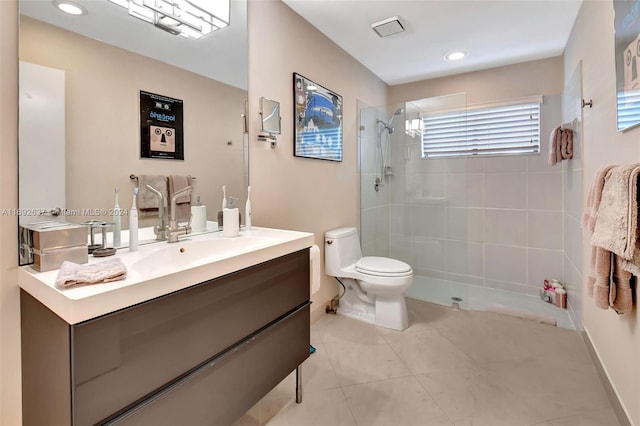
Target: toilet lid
(382, 266)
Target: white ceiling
(221, 55)
(493, 32)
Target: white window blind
(497, 130)
(628, 109)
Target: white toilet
(374, 286)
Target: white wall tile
(544, 265)
(429, 253)
(544, 191)
(428, 221)
(507, 227)
(501, 164)
(465, 189)
(507, 286)
(545, 230)
(505, 190)
(465, 224)
(505, 263)
(465, 258)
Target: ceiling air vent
(387, 27)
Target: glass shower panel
(415, 209)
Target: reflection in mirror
(80, 119)
(270, 111)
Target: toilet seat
(383, 267)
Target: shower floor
(477, 298)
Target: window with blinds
(497, 130)
(628, 109)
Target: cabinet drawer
(224, 389)
(121, 358)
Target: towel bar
(134, 177)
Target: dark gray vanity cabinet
(200, 356)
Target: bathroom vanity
(198, 333)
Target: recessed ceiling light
(455, 56)
(69, 7)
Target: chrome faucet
(161, 227)
(174, 230)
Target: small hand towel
(183, 201)
(620, 296)
(147, 200)
(555, 141)
(601, 287)
(72, 274)
(593, 198)
(617, 216)
(566, 147)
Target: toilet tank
(341, 249)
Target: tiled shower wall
(572, 182)
(495, 222)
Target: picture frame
(627, 60)
(317, 121)
(161, 127)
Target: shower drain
(455, 302)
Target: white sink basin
(187, 253)
(162, 268)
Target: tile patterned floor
(453, 368)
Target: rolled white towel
(72, 274)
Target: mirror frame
(269, 122)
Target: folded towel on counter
(72, 274)
(183, 201)
(147, 200)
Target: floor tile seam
(399, 357)
(346, 400)
(569, 416)
(435, 400)
(368, 382)
(462, 350)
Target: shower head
(399, 111)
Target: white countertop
(159, 269)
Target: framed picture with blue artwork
(627, 51)
(317, 121)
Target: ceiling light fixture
(455, 56)
(187, 18)
(387, 27)
(69, 7)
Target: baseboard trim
(608, 387)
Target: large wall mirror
(79, 124)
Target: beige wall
(10, 400)
(615, 338)
(298, 193)
(512, 81)
(102, 116)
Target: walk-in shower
(469, 227)
(384, 133)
